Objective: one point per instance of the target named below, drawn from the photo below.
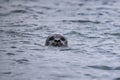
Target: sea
(92, 28)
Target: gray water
(92, 28)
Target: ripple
(38, 49)
(2, 50)
(104, 67)
(117, 34)
(22, 61)
(6, 72)
(76, 33)
(10, 54)
(82, 21)
(40, 12)
(38, 28)
(16, 33)
(81, 4)
(25, 42)
(116, 25)
(4, 14)
(64, 75)
(1, 7)
(93, 37)
(101, 67)
(13, 47)
(117, 78)
(89, 75)
(18, 11)
(45, 7)
(38, 44)
(73, 32)
(69, 49)
(19, 51)
(12, 12)
(117, 68)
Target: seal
(56, 40)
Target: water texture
(92, 28)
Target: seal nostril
(57, 40)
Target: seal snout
(57, 43)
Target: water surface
(91, 26)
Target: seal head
(56, 40)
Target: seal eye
(51, 38)
(62, 38)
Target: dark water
(91, 26)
